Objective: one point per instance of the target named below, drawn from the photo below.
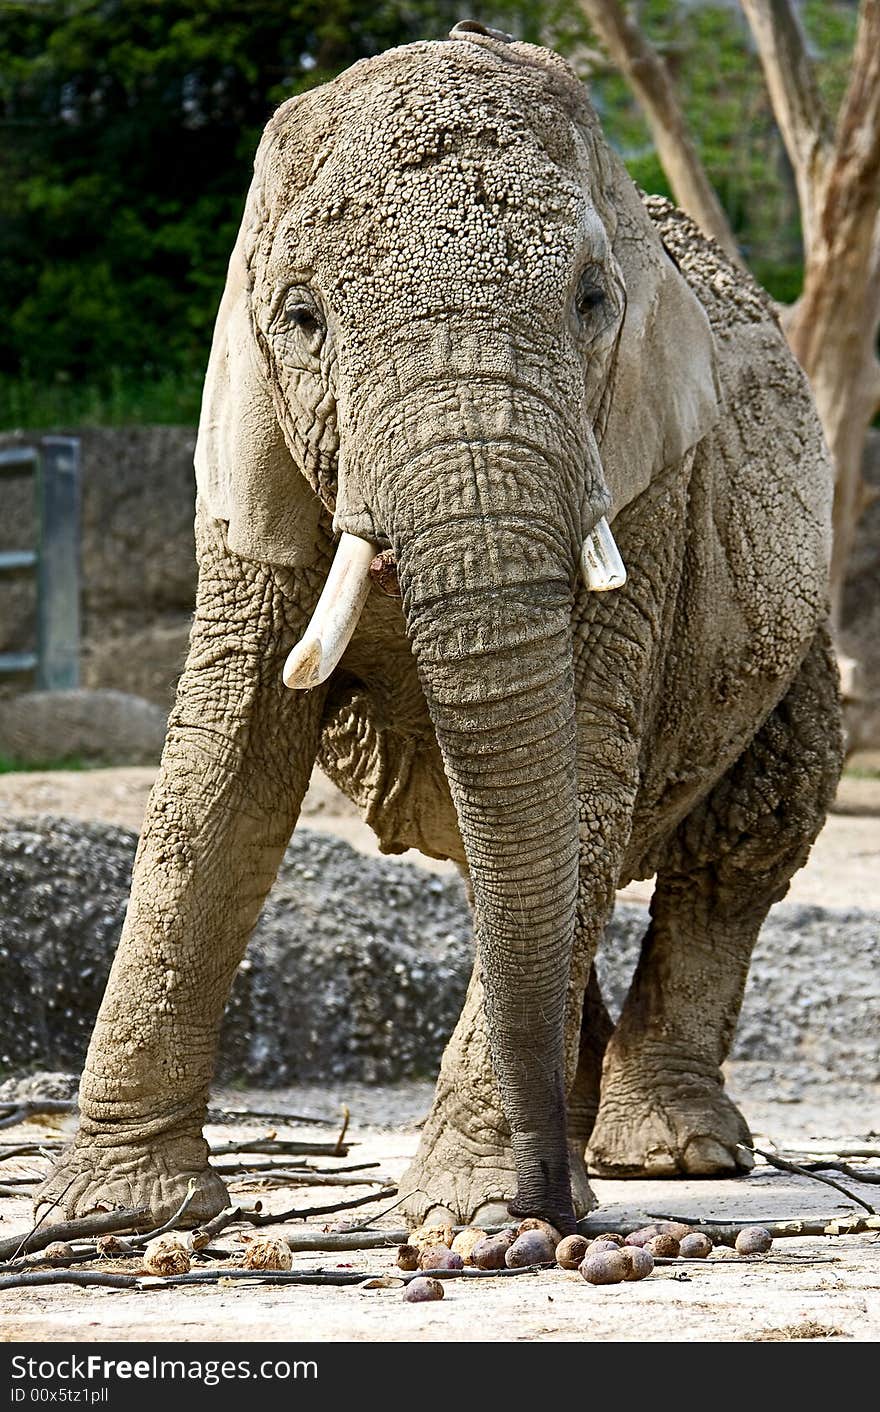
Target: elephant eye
(590, 294)
(297, 326)
(302, 316)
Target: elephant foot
(449, 1182)
(667, 1121)
(94, 1176)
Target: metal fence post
(58, 572)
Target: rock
(431, 1234)
(439, 1257)
(605, 1267)
(97, 727)
(753, 1240)
(489, 1254)
(58, 1250)
(695, 1246)
(571, 1251)
(639, 1262)
(464, 1242)
(663, 1246)
(641, 1236)
(534, 1223)
(532, 1247)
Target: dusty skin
(837, 1298)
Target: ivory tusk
(335, 617)
(601, 564)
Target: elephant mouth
(359, 563)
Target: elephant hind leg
(597, 1028)
(663, 1109)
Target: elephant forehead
(449, 192)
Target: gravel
(358, 967)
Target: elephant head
(449, 325)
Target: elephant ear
(245, 474)
(665, 394)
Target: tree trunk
(833, 327)
(649, 79)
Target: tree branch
(649, 80)
(797, 103)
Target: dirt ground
(810, 1288)
(823, 1288)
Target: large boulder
(95, 727)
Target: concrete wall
(138, 560)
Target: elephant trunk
(491, 632)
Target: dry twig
(341, 1138)
(99, 1223)
(235, 1115)
(13, 1113)
(268, 1218)
(783, 1165)
(87, 1278)
(726, 1232)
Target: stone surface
(358, 967)
(92, 726)
(137, 557)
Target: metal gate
(54, 464)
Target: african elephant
(453, 331)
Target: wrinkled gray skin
(451, 326)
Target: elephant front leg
(464, 1168)
(236, 764)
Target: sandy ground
(809, 1288)
(822, 1288)
(844, 867)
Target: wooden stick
(28, 1149)
(331, 1241)
(259, 1218)
(291, 1178)
(725, 1233)
(99, 1223)
(341, 1138)
(146, 1236)
(32, 1108)
(86, 1278)
(870, 1178)
(225, 1115)
(273, 1147)
(782, 1165)
(203, 1235)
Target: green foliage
(127, 133)
(10, 766)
